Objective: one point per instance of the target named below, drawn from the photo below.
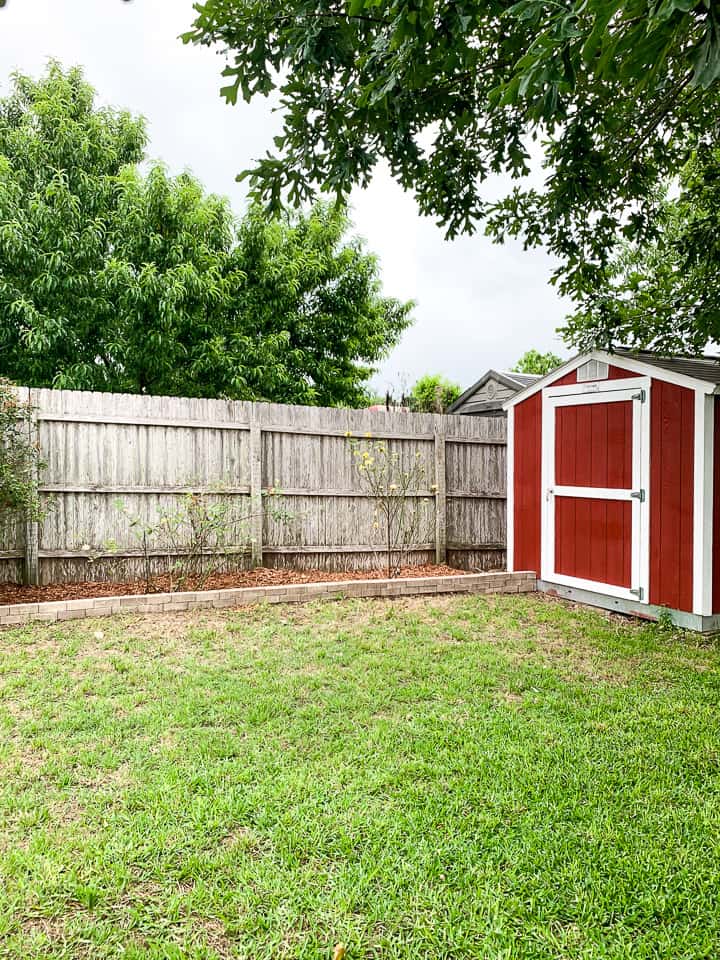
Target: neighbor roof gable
(505, 378)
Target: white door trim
(637, 390)
(575, 399)
(596, 386)
(594, 493)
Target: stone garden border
(19, 613)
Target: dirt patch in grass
(51, 928)
(246, 841)
(214, 936)
(260, 577)
(534, 628)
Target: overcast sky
(478, 305)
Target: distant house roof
(524, 379)
(474, 400)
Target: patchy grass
(464, 777)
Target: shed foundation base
(687, 621)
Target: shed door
(595, 468)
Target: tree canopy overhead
(114, 279)
(452, 92)
(664, 294)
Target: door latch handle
(638, 495)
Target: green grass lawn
(453, 778)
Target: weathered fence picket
(147, 451)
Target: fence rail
(150, 451)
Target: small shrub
(397, 494)
(197, 535)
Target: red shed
(614, 484)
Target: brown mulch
(260, 577)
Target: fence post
(31, 565)
(440, 497)
(256, 501)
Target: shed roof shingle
(702, 368)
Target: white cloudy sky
(478, 305)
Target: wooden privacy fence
(147, 452)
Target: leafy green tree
(611, 94)
(433, 393)
(665, 294)
(111, 279)
(314, 299)
(532, 361)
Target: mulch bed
(260, 577)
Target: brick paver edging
(174, 602)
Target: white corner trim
(510, 491)
(703, 503)
(644, 526)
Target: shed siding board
(716, 511)
(603, 525)
(671, 495)
(593, 445)
(527, 479)
(566, 380)
(617, 373)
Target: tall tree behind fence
(147, 451)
